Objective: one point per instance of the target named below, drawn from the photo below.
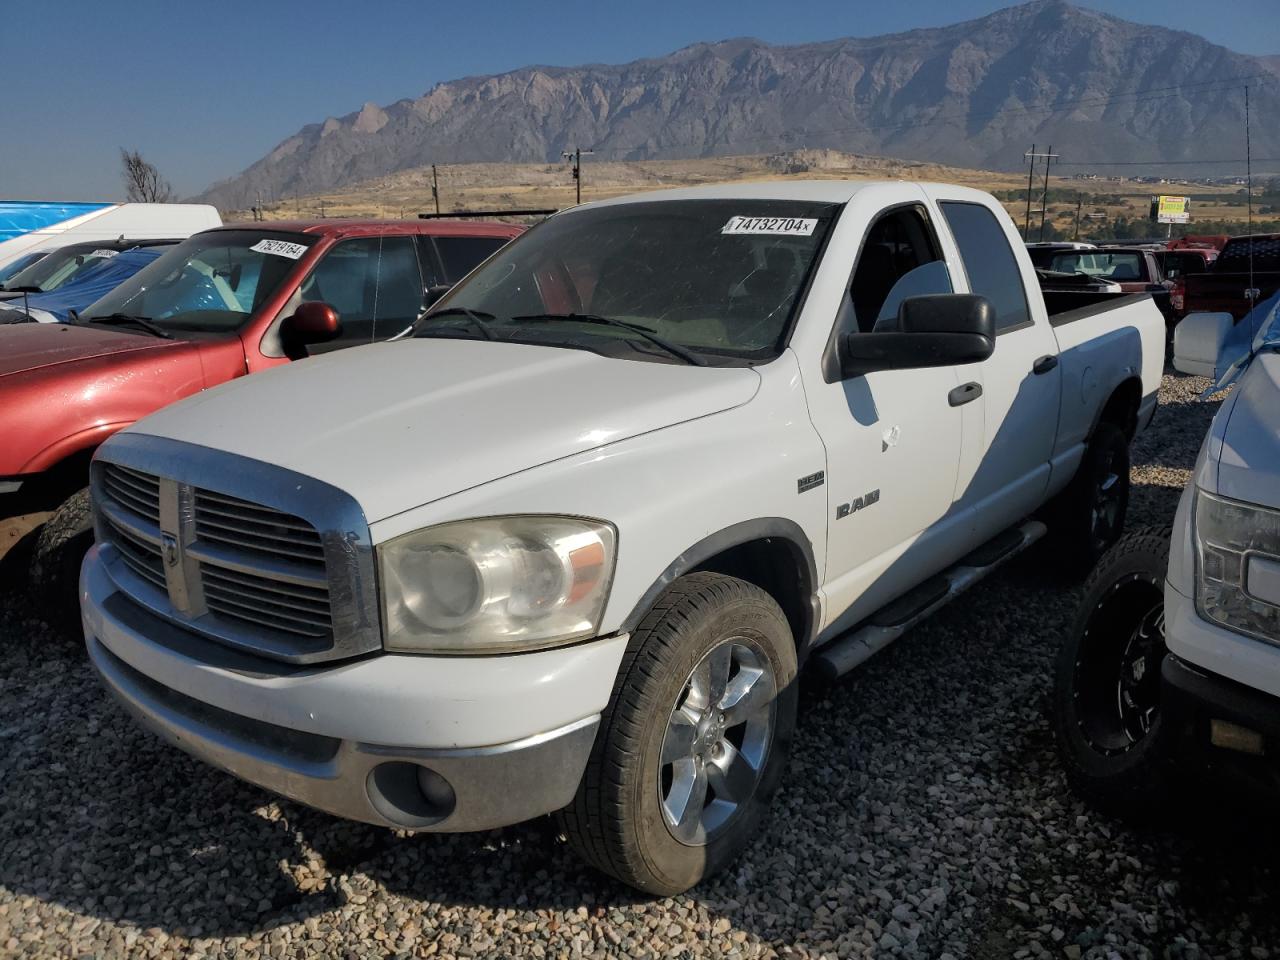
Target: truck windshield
(718, 280)
(210, 283)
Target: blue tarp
(91, 285)
(23, 216)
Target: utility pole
(1031, 175)
(1076, 234)
(1031, 172)
(576, 156)
(435, 187)
(1044, 197)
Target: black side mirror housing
(433, 293)
(312, 322)
(938, 330)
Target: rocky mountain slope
(974, 94)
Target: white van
(28, 226)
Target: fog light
(410, 795)
(1231, 736)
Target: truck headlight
(495, 585)
(1237, 556)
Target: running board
(839, 656)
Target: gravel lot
(925, 816)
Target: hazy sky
(204, 89)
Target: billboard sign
(1171, 209)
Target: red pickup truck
(1246, 272)
(223, 303)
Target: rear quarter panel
(1098, 353)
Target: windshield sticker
(105, 254)
(771, 226)
(280, 248)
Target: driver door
(893, 437)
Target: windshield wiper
(479, 320)
(688, 356)
(144, 322)
(26, 289)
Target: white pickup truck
(1174, 658)
(564, 546)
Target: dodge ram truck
(563, 546)
(223, 303)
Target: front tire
(694, 741)
(55, 565)
(1110, 734)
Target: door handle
(1044, 364)
(964, 393)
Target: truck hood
(29, 346)
(398, 425)
(1249, 458)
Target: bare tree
(142, 180)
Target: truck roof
(371, 228)
(821, 191)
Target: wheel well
(47, 489)
(1122, 407)
(777, 566)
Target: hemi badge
(811, 481)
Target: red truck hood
(29, 346)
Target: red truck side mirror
(312, 322)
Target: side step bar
(836, 658)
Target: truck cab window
(900, 258)
(988, 260)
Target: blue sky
(205, 89)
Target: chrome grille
(137, 492)
(255, 529)
(141, 556)
(289, 575)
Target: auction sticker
(280, 248)
(771, 226)
(104, 254)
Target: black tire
(616, 821)
(55, 565)
(1088, 516)
(1111, 737)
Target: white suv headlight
(1237, 556)
(495, 585)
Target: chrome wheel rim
(717, 741)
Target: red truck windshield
(211, 282)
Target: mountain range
(1101, 90)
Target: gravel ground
(925, 816)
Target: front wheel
(694, 741)
(1106, 699)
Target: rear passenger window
(989, 262)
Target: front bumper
(446, 744)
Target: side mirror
(1198, 341)
(431, 294)
(312, 322)
(939, 330)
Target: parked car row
(559, 535)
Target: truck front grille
(243, 572)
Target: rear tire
(1107, 722)
(670, 794)
(55, 564)
(1088, 516)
